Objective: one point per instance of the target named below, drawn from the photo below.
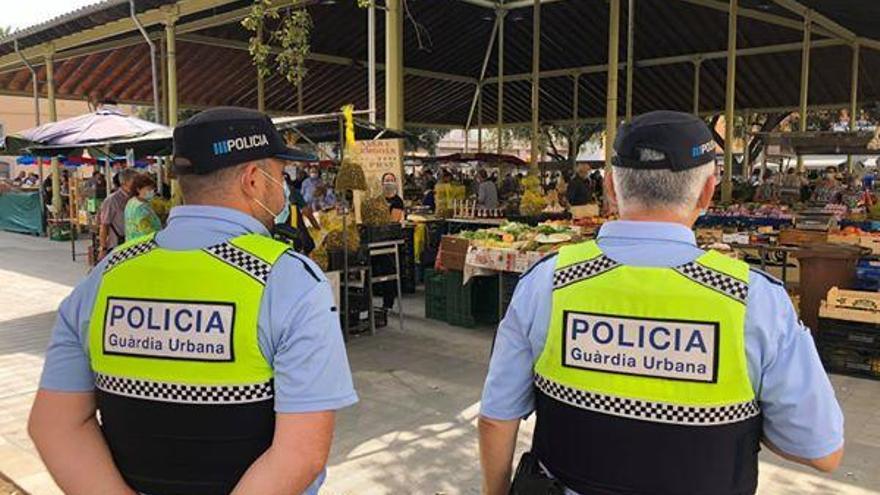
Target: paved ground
(413, 431)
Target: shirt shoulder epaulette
(770, 278)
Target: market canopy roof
(107, 129)
(99, 53)
(325, 129)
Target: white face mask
(149, 195)
(313, 175)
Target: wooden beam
(114, 28)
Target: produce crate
(855, 335)
(459, 307)
(801, 237)
(841, 359)
(868, 275)
(851, 305)
(509, 286)
(453, 251)
(390, 232)
(484, 294)
(435, 294)
(335, 259)
(380, 317)
(408, 262)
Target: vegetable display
(521, 237)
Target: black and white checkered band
(657, 412)
(128, 253)
(720, 282)
(582, 271)
(184, 394)
(241, 259)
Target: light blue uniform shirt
(298, 327)
(801, 414)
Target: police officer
(212, 352)
(654, 366)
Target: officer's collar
(241, 223)
(655, 231)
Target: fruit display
(521, 237)
(533, 201)
(333, 240)
(320, 257)
(350, 177)
(755, 210)
(374, 211)
(445, 196)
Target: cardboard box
(453, 251)
(800, 237)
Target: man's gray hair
(127, 175)
(660, 189)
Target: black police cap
(664, 140)
(225, 136)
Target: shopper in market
(140, 218)
(111, 218)
(653, 366)
(487, 191)
(213, 352)
(580, 192)
(392, 197)
(310, 183)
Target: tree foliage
(424, 138)
(291, 35)
(562, 143)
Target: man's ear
(706, 194)
(248, 179)
(610, 193)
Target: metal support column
(502, 14)
(394, 64)
(261, 82)
(853, 97)
(575, 111)
(53, 117)
(536, 83)
(479, 117)
(171, 54)
(698, 62)
(805, 84)
(371, 60)
(747, 128)
(630, 57)
(171, 74)
(730, 102)
(611, 92)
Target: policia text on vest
(678, 350)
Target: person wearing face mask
(309, 184)
(213, 352)
(390, 192)
(140, 219)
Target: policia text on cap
(653, 366)
(212, 352)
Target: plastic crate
(484, 299)
(380, 317)
(856, 335)
(435, 295)
(390, 232)
(841, 359)
(459, 308)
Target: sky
(28, 13)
